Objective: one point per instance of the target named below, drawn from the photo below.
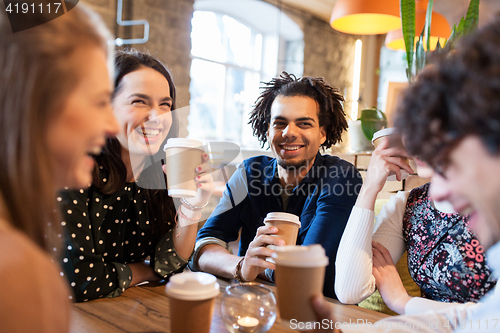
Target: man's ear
(323, 135)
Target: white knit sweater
(354, 281)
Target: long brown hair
(36, 78)
(160, 205)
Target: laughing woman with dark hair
(126, 216)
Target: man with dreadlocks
(295, 117)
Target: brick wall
(169, 35)
(327, 53)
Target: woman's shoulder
(421, 192)
(15, 248)
(20, 256)
(31, 286)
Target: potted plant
(416, 55)
(361, 131)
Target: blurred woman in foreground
(54, 111)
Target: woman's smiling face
(86, 119)
(142, 108)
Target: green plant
(372, 120)
(416, 51)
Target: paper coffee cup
(299, 276)
(288, 226)
(192, 298)
(395, 141)
(182, 158)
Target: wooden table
(145, 309)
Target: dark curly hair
(331, 113)
(457, 96)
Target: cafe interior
(219, 53)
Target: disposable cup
(288, 226)
(192, 298)
(182, 158)
(299, 276)
(395, 141)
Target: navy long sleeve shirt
(323, 200)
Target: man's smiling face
(294, 133)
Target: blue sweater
(323, 200)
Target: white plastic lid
(192, 286)
(384, 132)
(180, 193)
(283, 217)
(300, 256)
(183, 143)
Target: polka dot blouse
(104, 233)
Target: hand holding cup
(257, 252)
(386, 160)
(203, 181)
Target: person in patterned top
(445, 258)
(122, 230)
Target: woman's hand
(204, 183)
(141, 272)
(257, 252)
(387, 279)
(383, 161)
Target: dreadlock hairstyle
(331, 114)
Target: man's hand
(257, 252)
(387, 279)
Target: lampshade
(366, 17)
(440, 29)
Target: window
(230, 59)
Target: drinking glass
(248, 307)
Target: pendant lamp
(366, 17)
(440, 29)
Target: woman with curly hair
(445, 258)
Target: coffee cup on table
(299, 276)
(395, 141)
(182, 158)
(192, 298)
